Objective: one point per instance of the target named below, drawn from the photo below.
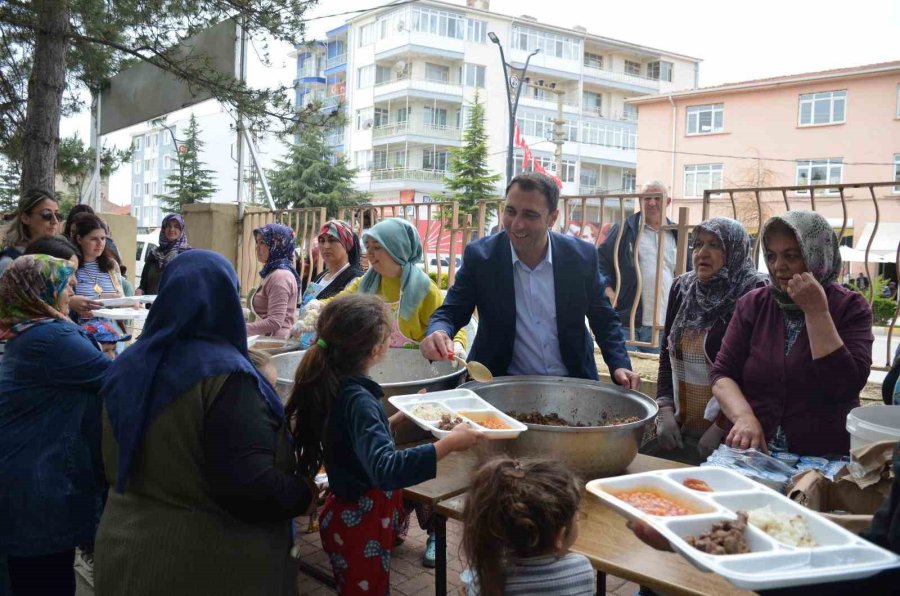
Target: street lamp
(161, 122)
(513, 84)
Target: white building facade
(407, 75)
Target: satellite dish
(368, 124)
(401, 26)
(400, 66)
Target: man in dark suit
(533, 289)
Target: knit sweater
(275, 304)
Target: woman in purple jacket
(796, 354)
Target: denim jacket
(51, 474)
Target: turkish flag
(527, 159)
(519, 140)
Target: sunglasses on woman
(48, 215)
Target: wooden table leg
(601, 582)
(440, 555)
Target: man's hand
(710, 441)
(667, 429)
(437, 346)
(627, 378)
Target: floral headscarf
(705, 303)
(341, 230)
(280, 240)
(819, 245)
(29, 293)
(169, 249)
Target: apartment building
(834, 126)
(154, 159)
(407, 74)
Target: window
(435, 116)
(363, 116)
(628, 177)
(382, 75)
(823, 108)
(609, 135)
(593, 102)
(167, 162)
(367, 34)
(630, 112)
(137, 190)
(382, 117)
(363, 160)
(476, 30)
(589, 177)
(136, 142)
(474, 76)
(153, 188)
(138, 166)
(698, 178)
(819, 171)
(660, 70)
(365, 76)
(549, 164)
(434, 160)
(550, 44)
(402, 115)
(438, 22)
(897, 172)
(146, 189)
(379, 159)
(702, 120)
(593, 60)
(633, 68)
(398, 159)
(437, 73)
(154, 140)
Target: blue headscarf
(401, 240)
(195, 330)
(280, 240)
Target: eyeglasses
(48, 215)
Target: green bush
(443, 284)
(883, 311)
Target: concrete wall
(213, 226)
(123, 229)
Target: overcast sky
(736, 40)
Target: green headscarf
(29, 292)
(401, 240)
(819, 245)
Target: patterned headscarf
(705, 303)
(169, 249)
(29, 293)
(401, 240)
(819, 245)
(280, 240)
(341, 230)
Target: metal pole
(558, 133)
(98, 203)
(512, 117)
(240, 123)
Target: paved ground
(408, 576)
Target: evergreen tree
(470, 180)
(192, 183)
(312, 175)
(75, 164)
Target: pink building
(835, 126)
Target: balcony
(335, 140)
(406, 174)
(419, 87)
(549, 103)
(623, 80)
(332, 101)
(434, 131)
(336, 60)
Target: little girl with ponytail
(520, 519)
(337, 419)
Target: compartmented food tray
(147, 298)
(122, 314)
(119, 302)
(788, 544)
(426, 410)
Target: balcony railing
(336, 60)
(418, 84)
(548, 103)
(416, 128)
(409, 174)
(622, 77)
(332, 101)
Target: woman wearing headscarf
(37, 216)
(339, 248)
(393, 247)
(797, 353)
(700, 306)
(274, 302)
(172, 242)
(51, 477)
(197, 451)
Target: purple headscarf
(169, 249)
(280, 240)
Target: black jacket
(606, 252)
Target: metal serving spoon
(477, 370)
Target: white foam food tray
(119, 302)
(122, 314)
(839, 555)
(147, 298)
(458, 402)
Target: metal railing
(332, 101)
(762, 199)
(416, 128)
(409, 174)
(336, 60)
(622, 77)
(418, 84)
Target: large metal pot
(589, 451)
(402, 372)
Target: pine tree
(193, 183)
(469, 178)
(313, 176)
